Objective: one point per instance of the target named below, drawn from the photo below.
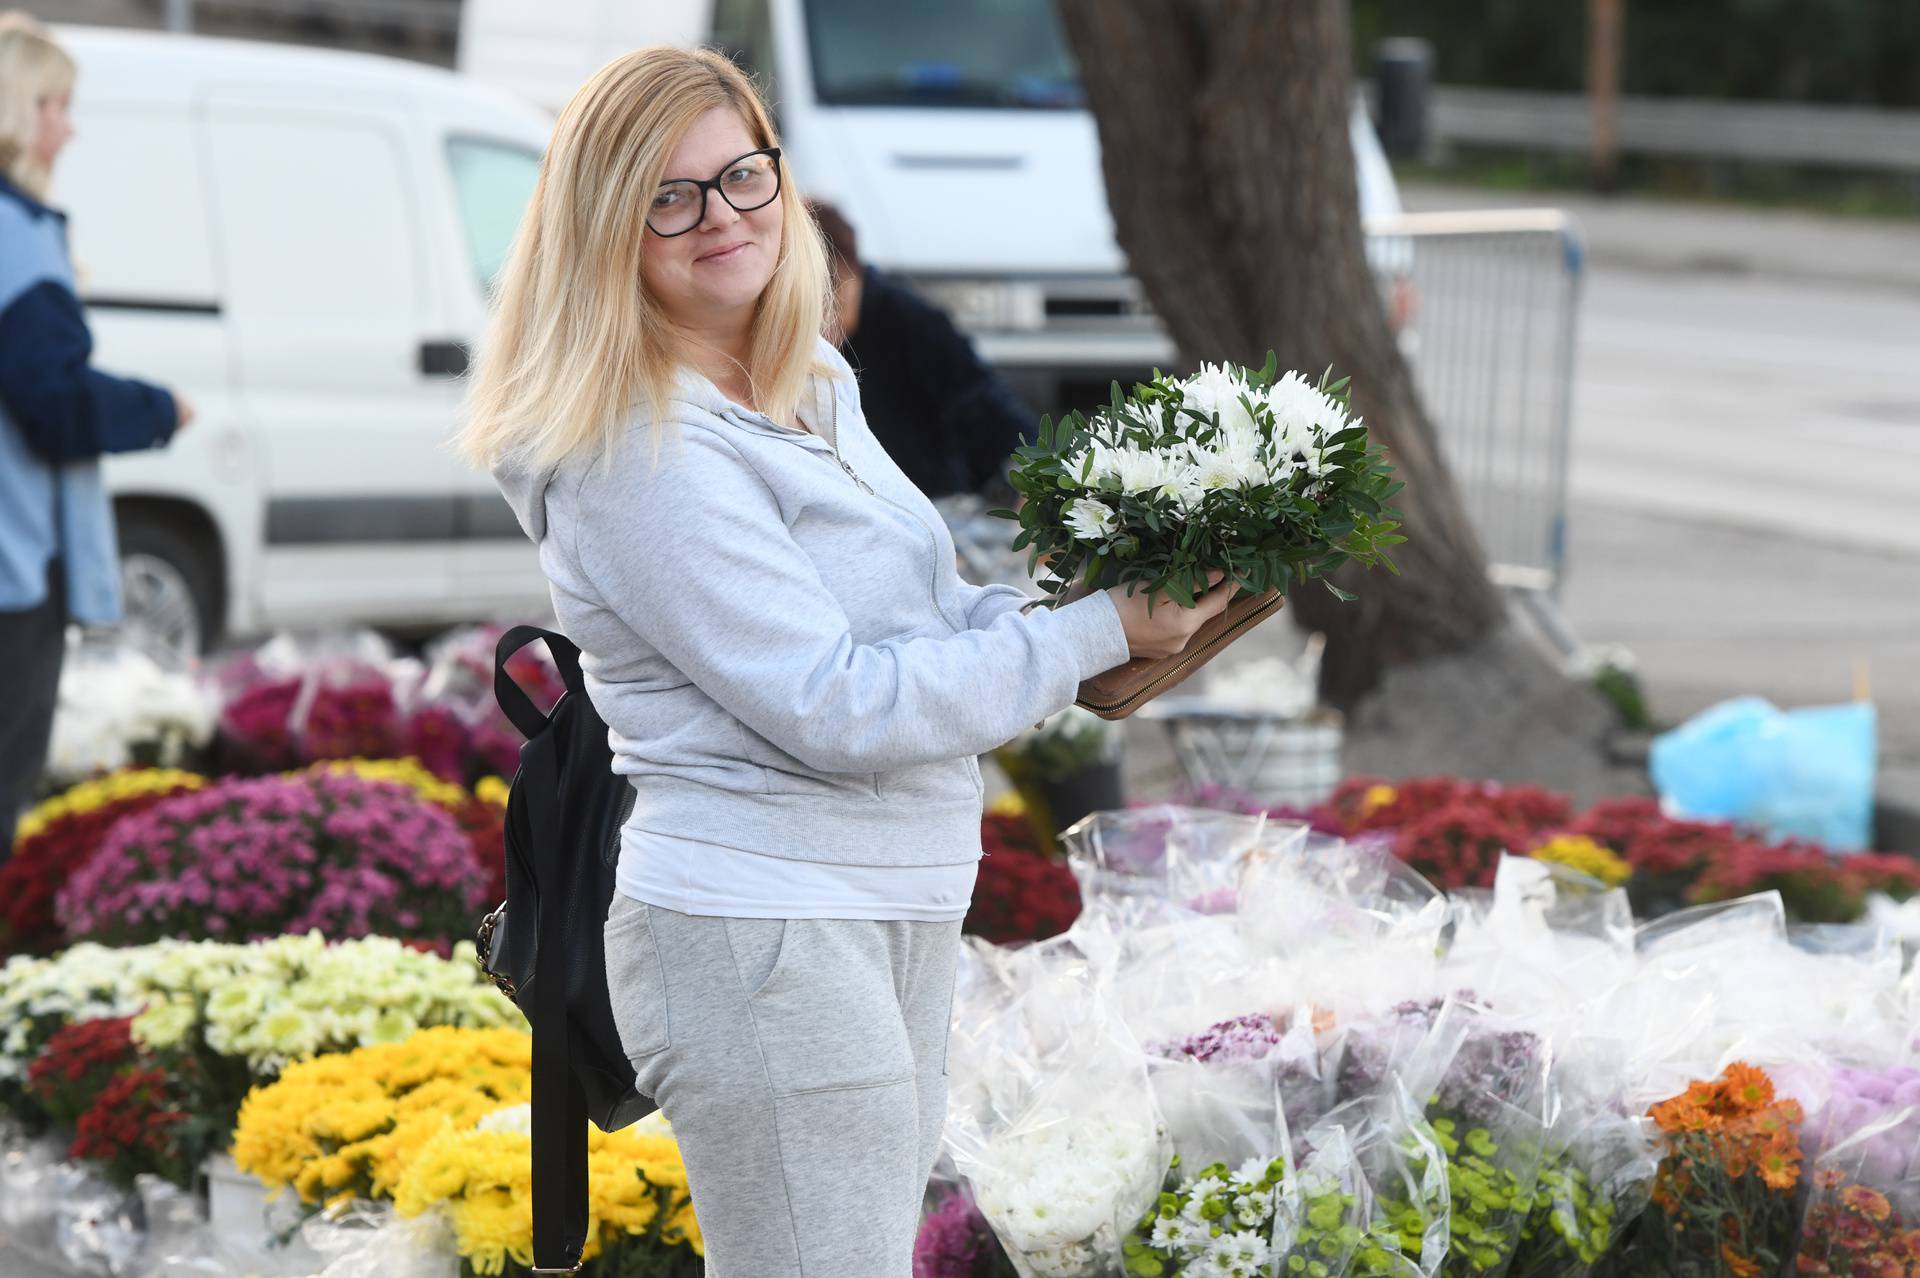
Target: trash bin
(1403, 79)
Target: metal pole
(1603, 86)
(180, 16)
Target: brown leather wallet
(1118, 692)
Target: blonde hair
(32, 69)
(575, 341)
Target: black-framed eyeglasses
(748, 183)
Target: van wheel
(168, 578)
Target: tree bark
(1230, 174)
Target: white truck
(952, 134)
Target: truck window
(742, 28)
(963, 53)
(492, 183)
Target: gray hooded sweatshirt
(771, 624)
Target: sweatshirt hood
(692, 398)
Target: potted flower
(1065, 768)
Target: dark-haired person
(944, 417)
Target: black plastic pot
(1095, 789)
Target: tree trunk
(1224, 137)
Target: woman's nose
(718, 214)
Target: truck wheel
(169, 580)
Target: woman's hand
(1166, 632)
(183, 408)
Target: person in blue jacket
(58, 415)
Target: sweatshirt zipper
(933, 543)
(833, 443)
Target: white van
(301, 241)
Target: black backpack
(543, 945)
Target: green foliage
(1843, 51)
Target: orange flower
(1828, 1178)
(1681, 1114)
(1779, 1164)
(1737, 1264)
(1870, 1203)
(1747, 1088)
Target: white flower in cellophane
(111, 703)
(1091, 519)
(1055, 1194)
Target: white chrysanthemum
(1239, 1255)
(1253, 1171)
(1091, 520)
(1301, 410)
(1170, 1232)
(1053, 1193)
(164, 1025)
(1253, 1208)
(1217, 389)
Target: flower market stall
(1424, 1028)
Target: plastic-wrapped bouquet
(1263, 476)
(1723, 1201)
(1055, 1130)
(1056, 1190)
(1216, 1223)
(117, 709)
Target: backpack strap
(559, 1103)
(514, 701)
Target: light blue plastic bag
(1806, 772)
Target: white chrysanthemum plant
(1266, 477)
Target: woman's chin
(733, 295)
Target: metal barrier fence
(1491, 343)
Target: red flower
(1021, 893)
(78, 1061)
(42, 864)
(1459, 845)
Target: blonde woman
(795, 680)
(58, 557)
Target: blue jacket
(57, 416)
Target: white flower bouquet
(118, 708)
(1061, 1190)
(1267, 478)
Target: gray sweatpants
(802, 1063)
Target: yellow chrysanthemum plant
(440, 1122)
(90, 796)
(1577, 852)
(415, 775)
(1586, 856)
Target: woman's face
(708, 276)
(55, 128)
